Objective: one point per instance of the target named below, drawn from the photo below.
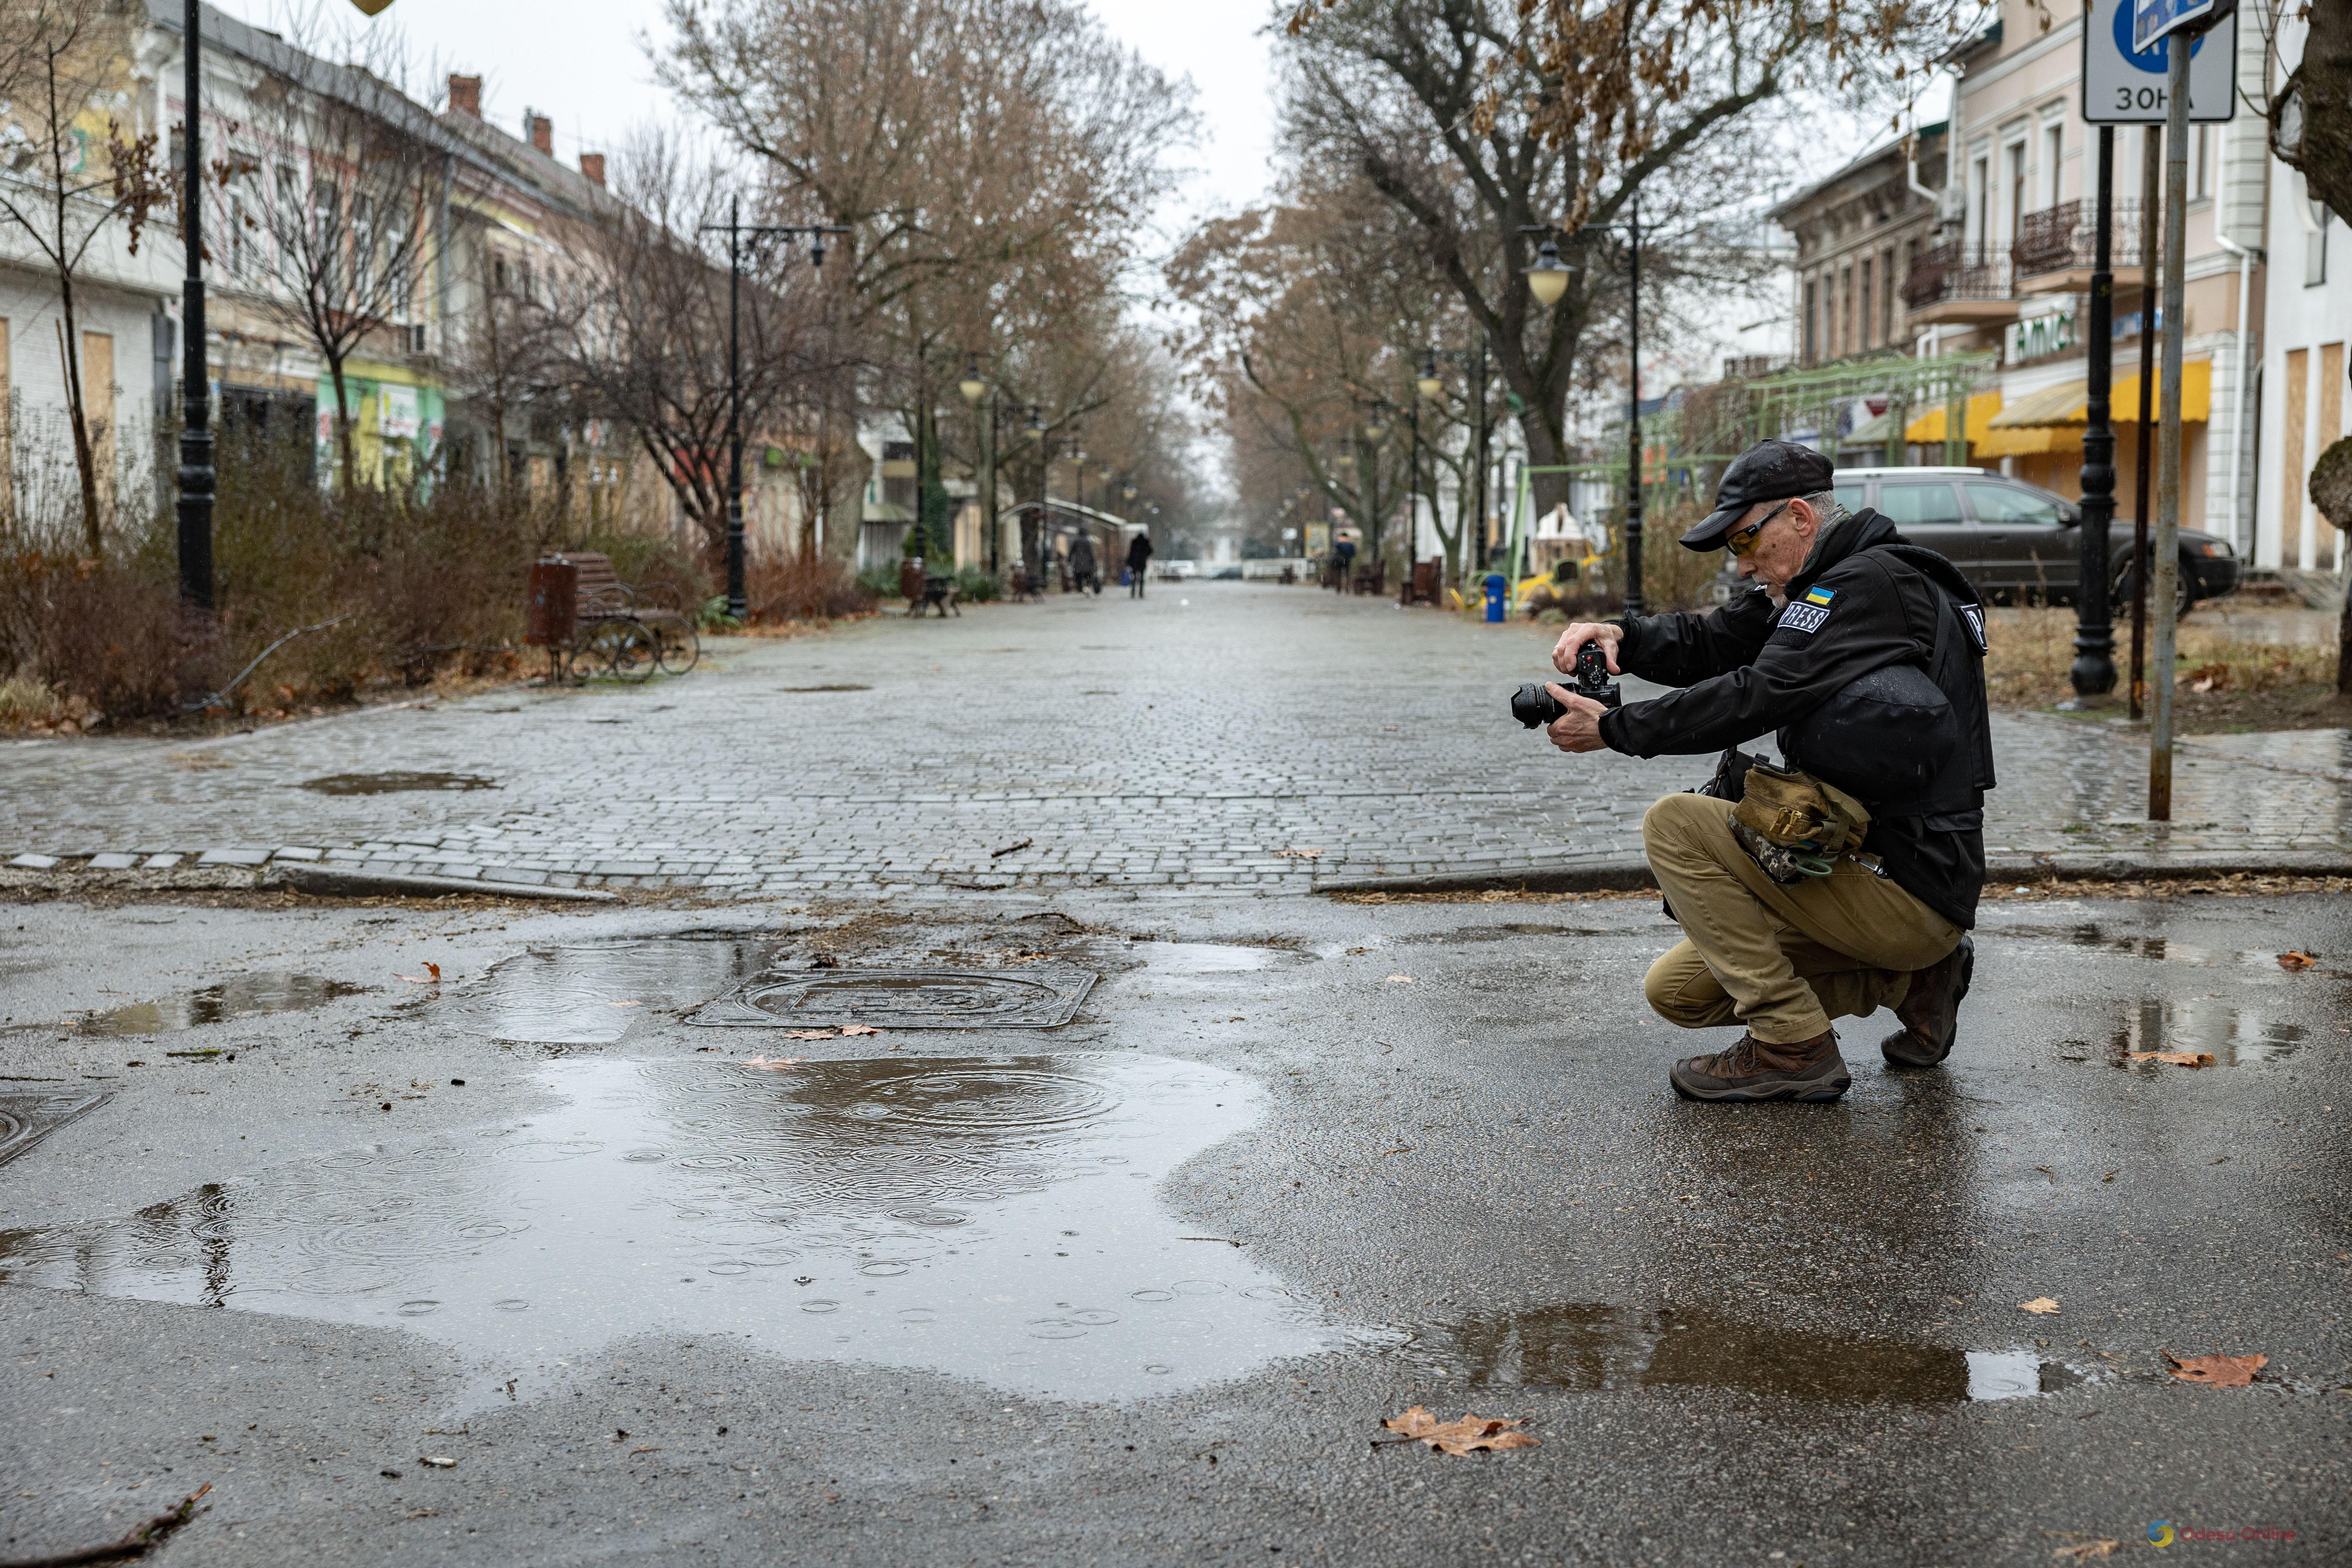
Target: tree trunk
(343, 444)
(2318, 95)
(84, 454)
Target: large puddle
(592, 994)
(1606, 1347)
(989, 1217)
(239, 996)
(2233, 1037)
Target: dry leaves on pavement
(2217, 1371)
(1400, 979)
(2040, 1304)
(432, 976)
(2086, 1550)
(2174, 1058)
(1299, 854)
(2296, 959)
(778, 1064)
(1463, 1436)
(859, 1030)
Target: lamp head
(1548, 279)
(973, 386)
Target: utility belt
(1793, 825)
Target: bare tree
(2310, 112)
(345, 188)
(73, 173)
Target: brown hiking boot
(1752, 1070)
(1930, 1010)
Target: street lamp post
(1368, 461)
(1548, 280)
(197, 477)
(735, 229)
(974, 387)
(2094, 672)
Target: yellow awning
(1929, 426)
(2060, 404)
(2000, 443)
(2068, 404)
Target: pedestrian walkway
(1219, 737)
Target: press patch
(1975, 617)
(1803, 618)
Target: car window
(1911, 502)
(1997, 504)
(1850, 496)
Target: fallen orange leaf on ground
(2177, 1058)
(808, 1034)
(432, 976)
(2217, 1371)
(2296, 959)
(2042, 1304)
(1472, 1432)
(859, 1030)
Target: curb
(1633, 876)
(332, 881)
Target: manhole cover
(26, 1119)
(396, 783)
(1041, 997)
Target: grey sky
(579, 62)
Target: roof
(1867, 159)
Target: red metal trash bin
(551, 613)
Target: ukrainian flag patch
(1820, 597)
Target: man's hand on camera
(1579, 729)
(1563, 653)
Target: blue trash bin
(1494, 585)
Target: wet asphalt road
(931, 1297)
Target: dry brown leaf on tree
(2217, 1371)
(2174, 1058)
(1463, 1436)
(2040, 1304)
(2295, 959)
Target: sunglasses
(1743, 542)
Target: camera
(1531, 705)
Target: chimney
(466, 95)
(542, 133)
(593, 165)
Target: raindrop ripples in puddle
(966, 1216)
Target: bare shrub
(801, 588)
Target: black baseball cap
(1770, 470)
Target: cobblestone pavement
(1217, 737)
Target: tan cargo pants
(1781, 959)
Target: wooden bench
(1371, 577)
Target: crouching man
(1866, 655)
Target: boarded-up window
(97, 407)
(2331, 426)
(2291, 473)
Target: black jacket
(1138, 553)
(1868, 601)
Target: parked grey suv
(2016, 541)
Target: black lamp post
(1432, 386)
(197, 477)
(735, 229)
(976, 387)
(2094, 672)
(1548, 280)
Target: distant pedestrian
(1139, 563)
(1084, 574)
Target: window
(1980, 186)
(2200, 165)
(1998, 505)
(1886, 296)
(1867, 313)
(1849, 497)
(1916, 503)
(1845, 308)
(2054, 153)
(2017, 168)
(1813, 335)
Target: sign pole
(2163, 573)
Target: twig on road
(1001, 854)
(135, 1544)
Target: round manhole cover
(910, 999)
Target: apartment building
(2306, 318)
(2012, 266)
(1859, 233)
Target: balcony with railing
(1956, 281)
(2056, 246)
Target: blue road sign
(2155, 20)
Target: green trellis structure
(1716, 423)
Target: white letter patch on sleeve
(1806, 614)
